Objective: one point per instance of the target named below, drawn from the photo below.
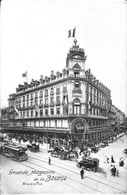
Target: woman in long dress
(112, 159)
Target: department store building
(71, 104)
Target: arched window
(76, 69)
(76, 106)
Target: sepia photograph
(63, 97)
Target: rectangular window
(31, 95)
(41, 94)
(76, 109)
(87, 97)
(46, 111)
(31, 112)
(23, 114)
(90, 98)
(90, 123)
(41, 101)
(27, 97)
(37, 124)
(36, 94)
(32, 103)
(23, 98)
(64, 88)
(41, 123)
(46, 101)
(90, 89)
(27, 104)
(46, 92)
(41, 112)
(57, 90)
(36, 101)
(58, 123)
(87, 87)
(52, 99)
(52, 123)
(36, 113)
(52, 111)
(52, 91)
(20, 100)
(58, 99)
(58, 111)
(93, 111)
(65, 124)
(77, 86)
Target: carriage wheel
(62, 157)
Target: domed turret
(76, 55)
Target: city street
(36, 176)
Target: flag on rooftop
(71, 33)
(24, 74)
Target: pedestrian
(114, 171)
(49, 161)
(107, 160)
(121, 162)
(82, 173)
(112, 159)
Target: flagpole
(27, 77)
(75, 40)
(75, 32)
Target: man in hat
(82, 173)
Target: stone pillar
(83, 108)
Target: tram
(14, 152)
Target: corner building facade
(73, 104)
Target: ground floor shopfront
(76, 133)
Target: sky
(34, 38)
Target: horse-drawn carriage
(62, 153)
(94, 149)
(104, 144)
(59, 152)
(89, 163)
(33, 147)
